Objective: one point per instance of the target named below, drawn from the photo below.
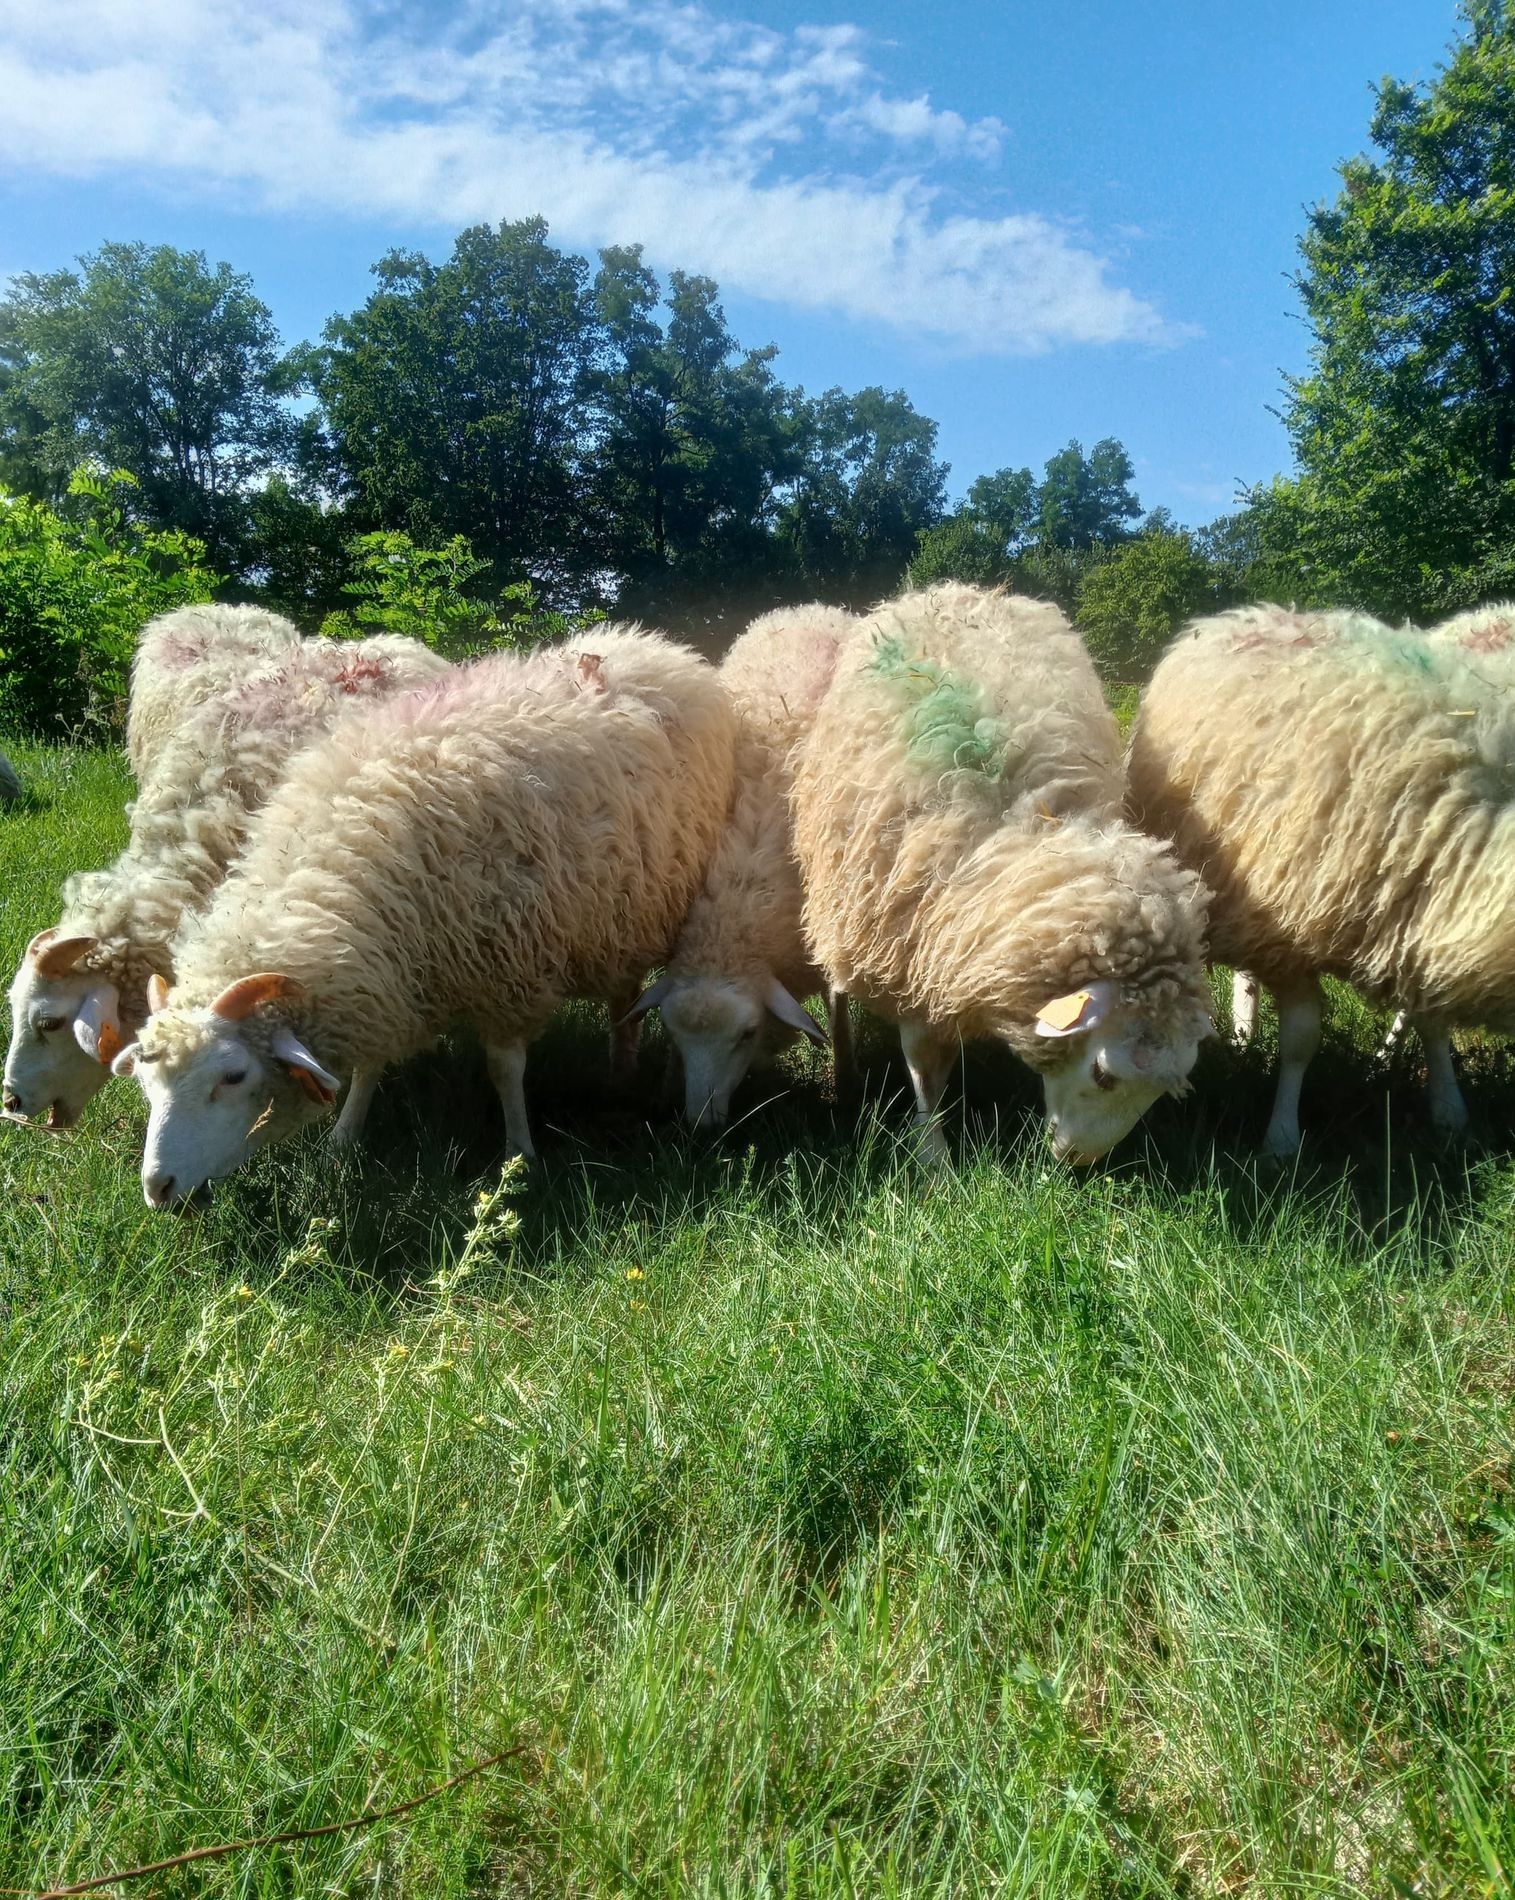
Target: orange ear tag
(108, 1044)
(310, 1086)
(1064, 1011)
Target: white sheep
(731, 993)
(186, 657)
(968, 873)
(1344, 788)
(523, 831)
(81, 989)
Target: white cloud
(722, 145)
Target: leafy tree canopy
(1404, 427)
(146, 360)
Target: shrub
(1135, 600)
(76, 585)
(434, 595)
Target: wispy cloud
(779, 162)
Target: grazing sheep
(186, 657)
(10, 782)
(731, 992)
(523, 831)
(968, 873)
(1345, 789)
(81, 989)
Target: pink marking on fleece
(177, 652)
(352, 677)
(1491, 639)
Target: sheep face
(220, 1083)
(722, 1026)
(1106, 1068)
(64, 1030)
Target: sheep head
(1108, 1059)
(721, 1027)
(65, 1029)
(221, 1081)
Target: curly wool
(957, 818)
(216, 769)
(186, 657)
(746, 923)
(1348, 792)
(523, 831)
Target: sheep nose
(159, 1189)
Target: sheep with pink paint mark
(81, 989)
(187, 657)
(479, 850)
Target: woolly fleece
(1348, 791)
(525, 830)
(186, 657)
(957, 809)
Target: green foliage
(814, 1526)
(452, 398)
(961, 548)
(1132, 603)
(77, 584)
(1404, 429)
(146, 360)
(436, 595)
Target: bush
(434, 595)
(76, 585)
(1132, 603)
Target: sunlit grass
(813, 1525)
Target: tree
(695, 437)
(1132, 603)
(146, 360)
(1086, 501)
(1404, 427)
(453, 397)
(870, 486)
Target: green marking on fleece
(947, 728)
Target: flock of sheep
(338, 849)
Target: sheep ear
(318, 1083)
(54, 956)
(649, 999)
(1067, 1015)
(97, 1027)
(125, 1062)
(157, 993)
(780, 1003)
(241, 998)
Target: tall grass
(810, 1524)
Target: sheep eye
(747, 1034)
(47, 1024)
(1103, 1079)
(236, 1076)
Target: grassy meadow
(801, 1522)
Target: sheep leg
(1299, 1013)
(625, 1037)
(349, 1124)
(1244, 996)
(843, 1056)
(507, 1070)
(1449, 1112)
(929, 1061)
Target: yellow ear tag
(1064, 1011)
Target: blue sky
(1041, 222)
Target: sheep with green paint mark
(968, 872)
(1347, 790)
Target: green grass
(810, 1525)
